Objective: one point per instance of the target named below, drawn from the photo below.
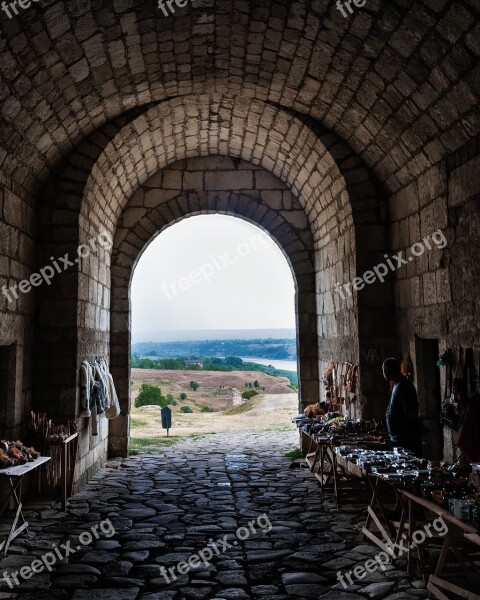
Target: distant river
(284, 365)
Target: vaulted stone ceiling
(398, 80)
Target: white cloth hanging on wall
(97, 393)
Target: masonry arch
(337, 200)
(155, 207)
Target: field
(217, 389)
(221, 391)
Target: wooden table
(435, 582)
(14, 476)
(335, 473)
(391, 531)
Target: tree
(194, 385)
(186, 409)
(183, 396)
(234, 361)
(249, 394)
(256, 384)
(150, 395)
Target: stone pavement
(164, 508)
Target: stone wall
(436, 294)
(17, 262)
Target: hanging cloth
(86, 382)
(113, 411)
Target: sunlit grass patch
(294, 454)
(152, 445)
(135, 422)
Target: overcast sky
(212, 272)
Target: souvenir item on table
(13, 454)
(313, 411)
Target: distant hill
(284, 348)
(212, 334)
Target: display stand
(69, 458)
(335, 473)
(391, 531)
(458, 533)
(312, 455)
(14, 476)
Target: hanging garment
(86, 382)
(99, 390)
(112, 404)
(113, 411)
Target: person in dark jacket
(403, 421)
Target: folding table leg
(14, 530)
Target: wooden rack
(69, 459)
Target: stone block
(464, 182)
(132, 216)
(172, 180)
(193, 180)
(120, 426)
(229, 180)
(429, 289)
(266, 181)
(443, 285)
(432, 184)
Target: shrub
(206, 408)
(186, 409)
(183, 396)
(150, 395)
(249, 394)
(194, 385)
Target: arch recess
(336, 200)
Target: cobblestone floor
(166, 508)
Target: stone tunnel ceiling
(398, 81)
(366, 125)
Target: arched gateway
(200, 155)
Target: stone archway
(206, 186)
(334, 192)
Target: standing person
(403, 421)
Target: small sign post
(166, 418)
